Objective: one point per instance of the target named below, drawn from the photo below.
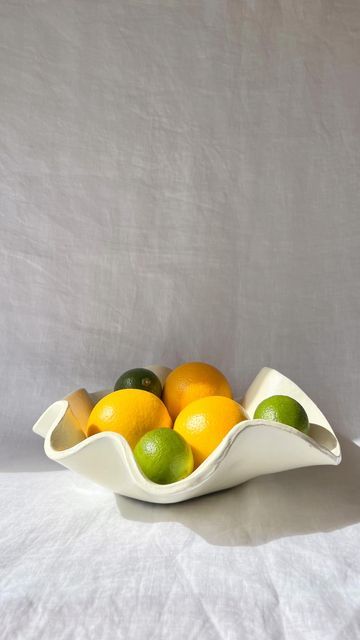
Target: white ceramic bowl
(252, 447)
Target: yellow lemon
(204, 423)
(191, 381)
(130, 412)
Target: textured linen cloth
(274, 558)
(179, 180)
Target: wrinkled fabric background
(179, 180)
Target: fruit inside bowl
(194, 401)
(165, 436)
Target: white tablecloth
(179, 180)
(277, 558)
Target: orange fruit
(130, 412)
(205, 422)
(191, 381)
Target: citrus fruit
(130, 412)
(164, 456)
(139, 379)
(204, 423)
(191, 381)
(285, 410)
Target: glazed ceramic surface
(252, 448)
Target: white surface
(274, 559)
(179, 180)
(251, 448)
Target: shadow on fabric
(298, 502)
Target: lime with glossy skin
(164, 457)
(139, 378)
(285, 410)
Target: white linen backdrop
(179, 181)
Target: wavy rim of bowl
(199, 475)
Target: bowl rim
(200, 475)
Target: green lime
(164, 456)
(143, 379)
(285, 410)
